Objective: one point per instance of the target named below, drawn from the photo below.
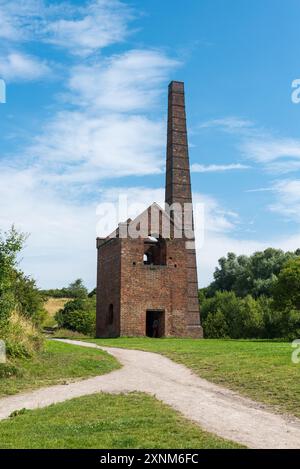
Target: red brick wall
(152, 287)
(108, 287)
(133, 288)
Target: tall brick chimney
(178, 182)
(178, 191)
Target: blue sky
(85, 121)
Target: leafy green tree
(215, 326)
(77, 289)
(254, 275)
(11, 243)
(286, 300)
(78, 315)
(251, 320)
(29, 300)
(286, 291)
(227, 303)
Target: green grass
(58, 363)
(106, 421)
(262, 370)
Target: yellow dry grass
(52, 305)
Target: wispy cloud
(287, 201)
(76, 147)
(277, 155)
(216, 168)
(81, 29)
(108, 134)
(127, 82)
(230, 124)
(98, 24)
(16, 66)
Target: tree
(19, 297)
(11, 244)
(78, 315)
(251, 322)
(254, 275)
(29, 300)
(228, 304)
(77, 289)
(286, 290)
(215, 326)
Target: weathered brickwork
(131, 291)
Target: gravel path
(214, 408)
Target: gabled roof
(154, 220)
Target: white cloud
(277, 155)
(81, 29)
(100, 23)
(231, 124)
(215, 168)
(103, 137)
(265, 150)
(77, 147)
(126, 82)
(16, 66)
(287, 199)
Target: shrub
(78, 315)
(29, 300)
(8, 370)
(250, 319)
(215, 326)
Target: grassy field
(261, 370)
(58, 363)
(52, 305)
(106, 421)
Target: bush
(78, 315)
(226, 303)
(29, 300)
(215, 326)
(251, 323)
(8, 370)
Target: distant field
(52, 305)
(106, 421)
(261, 370)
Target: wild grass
(57, 363)
(106, 421)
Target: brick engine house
(147, 274)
